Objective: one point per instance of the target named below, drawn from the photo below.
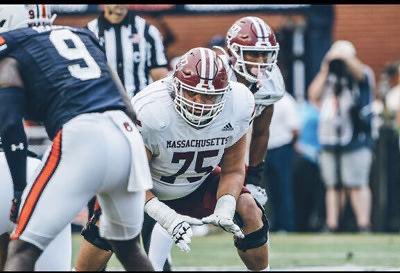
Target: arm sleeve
(13, 134)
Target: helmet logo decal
(182, 62)
(234, 30)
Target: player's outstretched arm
(177, 225)
(260, 136)
(229, 188)
(258, 151)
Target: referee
(134, 48)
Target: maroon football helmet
(250, 35)
(200, 71)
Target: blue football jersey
(64, 71)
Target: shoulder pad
(271, 89)
(243, 100)
(150, 108)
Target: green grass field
(289, 251)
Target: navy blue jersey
(64, 71)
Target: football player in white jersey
(251, 59)
(252, 52)
(57, 256)
(194, 126)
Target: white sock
(265, 269)
(160, 247)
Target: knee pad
(91, 234)
(254, 239)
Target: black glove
(16, 202)
(91, 232)
(255, 175)
(91, 224)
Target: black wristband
(256, 169)
(255, 175)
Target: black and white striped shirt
(133, 47)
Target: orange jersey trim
(38, 186)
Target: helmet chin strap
(240, 68)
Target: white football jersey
(183, 156)
(271, 89)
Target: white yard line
(342, 254)
(348, 267)
(298, 268)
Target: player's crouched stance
(191, 123)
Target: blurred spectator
(307, 182)
(134, 48)
(390, 154)
(392, 98)
(344, 86)
(319, 33)
(278, 164)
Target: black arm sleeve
(13, 135)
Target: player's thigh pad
(77, 166)
(160, 247)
